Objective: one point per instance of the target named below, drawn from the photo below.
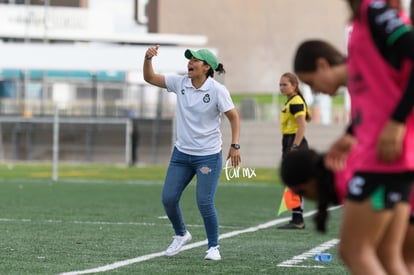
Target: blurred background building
(85, 58)
(85, 55)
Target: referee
(293, 120)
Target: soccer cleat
(213, 254)
(293, 225)
(177, 244)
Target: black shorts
(412, 218)
(384, 190)
(287, 142)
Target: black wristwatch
(235, 146)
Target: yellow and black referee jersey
(293, 108)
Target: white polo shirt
(198, 114)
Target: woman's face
(286, 87)
(196, 68)
(323, 80)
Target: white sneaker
(213, 254)
(177, 243)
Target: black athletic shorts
(384, 190)
(287, 142)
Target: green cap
(204, 55)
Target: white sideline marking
(187, 247)
(104, 223)
(309, 254)
(15, 220)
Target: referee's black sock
(297, 215)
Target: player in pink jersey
(381, 86)
(380, 78)
(326, 187)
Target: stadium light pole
(28, 19)
(46, 4)
(94, 78)
(55, 143)
(26, 71)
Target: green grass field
(99, 216)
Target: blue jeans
(181, 170)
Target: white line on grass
(15, 220)
(104, 223)
(309, 254)
(186, 247)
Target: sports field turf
(110, 219)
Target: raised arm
(149, 75)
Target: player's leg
(179, 175)
(297, 221)
(375, 215)
(408, 247)
(361, 231)
(208, 173)
(389, 251)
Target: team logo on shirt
(182, 91)
(206, 98)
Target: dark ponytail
(220, 70)
(326, 193)
(308, 116)
(311, 166)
